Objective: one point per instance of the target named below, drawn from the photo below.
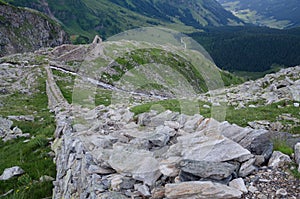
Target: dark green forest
(251, 48)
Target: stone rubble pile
(8, 133)
(276, 87)
(111, 153)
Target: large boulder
(199, 147)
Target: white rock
(206, 106)
(278, 159)
(11, 172)
(296, 105)
(239, 184)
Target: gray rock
(143, 189)
(252, 189)
(196, 170)
(5, 126)
(111, 195)
(281, 193)
(140, 163)
(278, 159)
(173, 124)
(259, 160)
(17, 131)
(192, 124)
(169, 167)
(199, 147)
(127, 183)
(21, 118)
(159, 139)
(247, 168)
(158, 193)
(297, 153)
(239, 184)
(115, 182)
(261, 144)
(11, 172)
(200, 190)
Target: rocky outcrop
(23, 30)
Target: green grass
(173, 105)
(248, 75)
(65, 82)
(267, 112)
(231, 79)
(282, 146)
(294, 171)
(32, 156)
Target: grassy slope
(32, 156)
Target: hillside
(85, 18)
(23, 30)
(271, 13)
(125, 121)
(251, 49)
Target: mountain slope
(90, 17)
(25, 30)
(252, 49)
(271, 13)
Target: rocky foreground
(108, 152)
(167, 155)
